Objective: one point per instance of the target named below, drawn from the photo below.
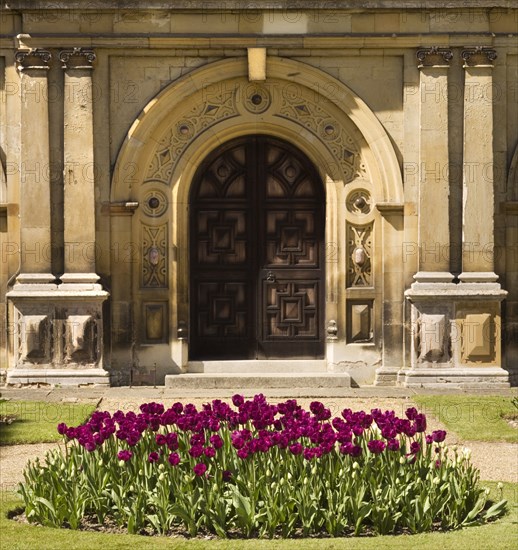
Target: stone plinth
(456, 334)
(58, 334)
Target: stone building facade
(274, 186)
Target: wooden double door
(257, 217)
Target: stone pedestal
(57, 335)
(456, 334)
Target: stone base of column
(57, 333)
(459, 378)
(456, 332)
(386, 376)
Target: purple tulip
(174, 459)
(438, 436)
(124, 455)
(153, 457)
(200, 469)
(376, 446)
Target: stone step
(291, 381)
(278, 366)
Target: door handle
(270, 277)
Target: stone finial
(434, 57)
(479, 55)
(77, 58)
(32, 59)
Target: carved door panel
(257, 238)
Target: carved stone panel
(359, 255)
(359, 322)
(432, 337)
(155, 320)
(154, 256)
(478, 337)
(35, 338)
(80, 339)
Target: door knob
(270, 277)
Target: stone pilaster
(79, 167)
(478, 191)
(35, 215)
(434, 229)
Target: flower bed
(256, 469)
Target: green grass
(475, 418)
(499, 535)
(36, 421)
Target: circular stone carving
(185, 129)
(155, 203)
(328, 130)
(359, 202)
(256, 99)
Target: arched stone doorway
(257, 253)
(361, 323)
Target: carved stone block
(79, 338)
(432, 332)
(155, 319)
(360, 323)
(35, 338)
(477, 337)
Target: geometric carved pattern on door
(257, 237)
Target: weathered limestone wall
(372, 51)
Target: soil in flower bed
(89, 523)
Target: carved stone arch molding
(199, 112)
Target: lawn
(498, 535)
(472, 418)
(36, 421)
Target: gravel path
(496, 461)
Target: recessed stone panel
(155, 319)
(477, 337)
(360, 322)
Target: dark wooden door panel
(257, 239)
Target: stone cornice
(233, 5)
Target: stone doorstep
(258, 367)
(237, 381)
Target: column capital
(34, 58)
(479, 56)
(434, 57)
(77, 58)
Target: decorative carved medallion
(359, 202)
(359, 247)
(154, 203)
(154, 256)
(256, 99)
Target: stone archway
(329, 124)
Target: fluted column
(35, 214)
(79, 167)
